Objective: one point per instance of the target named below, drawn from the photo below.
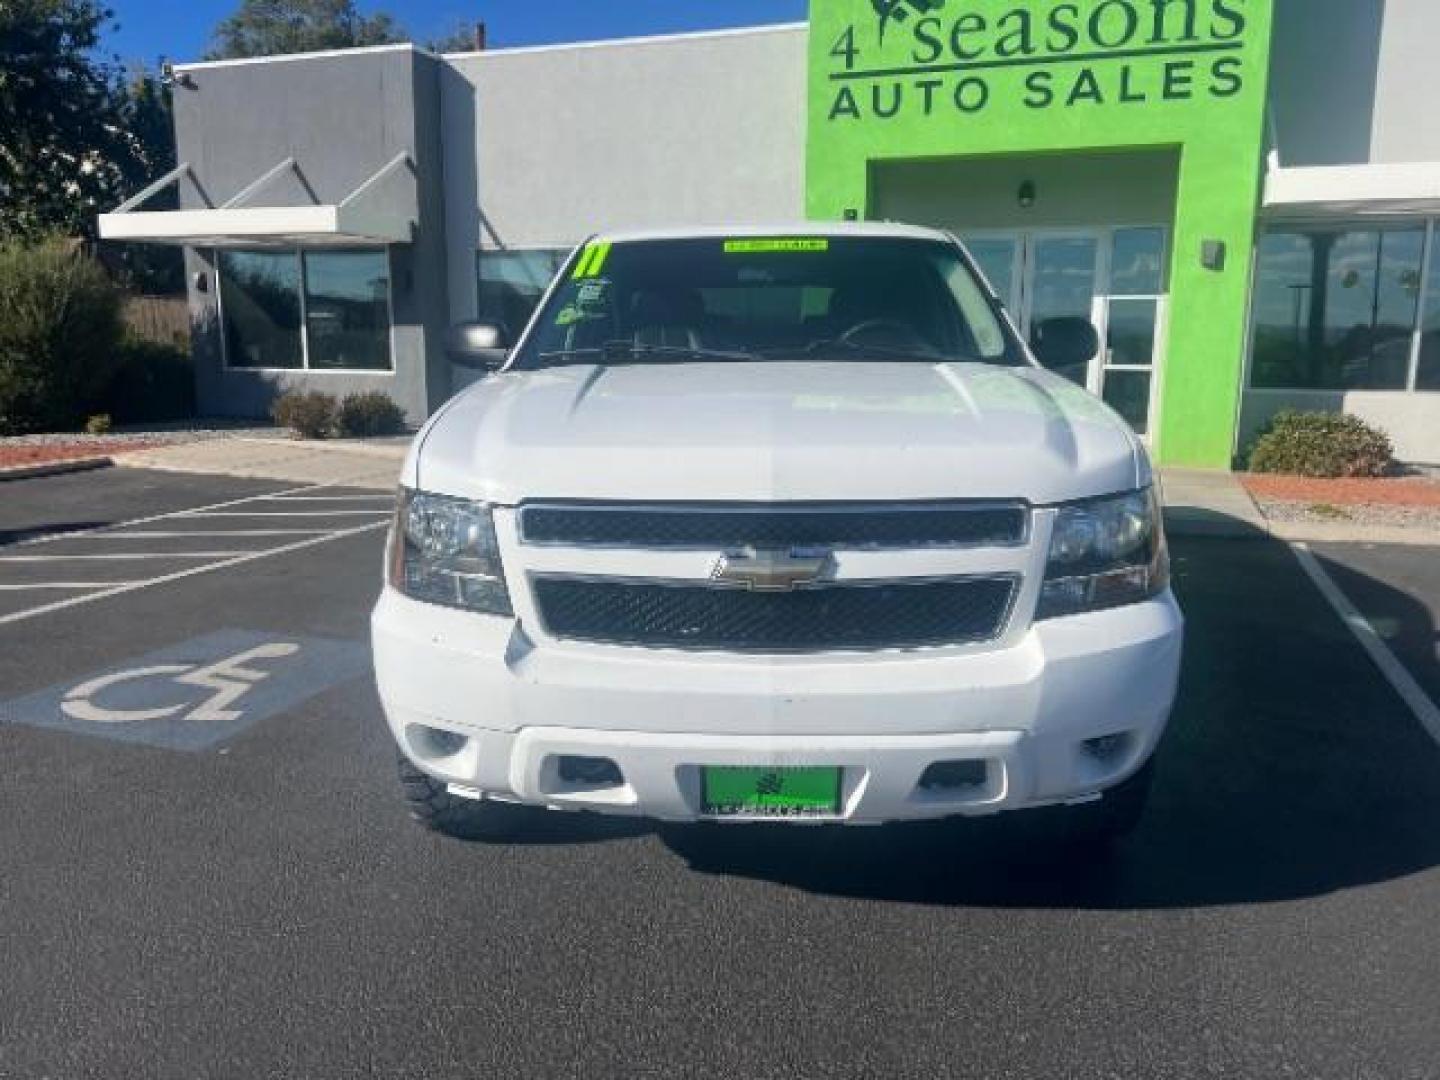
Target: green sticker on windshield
(592, 261)
(766, 245)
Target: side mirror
(1066, 345)
(480, 345)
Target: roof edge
(645, 39)
(280, 58)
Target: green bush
(152, 383)
(371, 413)
(1325, 445)
(310, 414)
(59, 331)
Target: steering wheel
(895, 328)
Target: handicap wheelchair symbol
(227, 682)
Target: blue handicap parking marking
(195, 695)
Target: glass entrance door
(1062, 275)
(1115, 278)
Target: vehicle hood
(808, 431)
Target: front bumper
(475, 703)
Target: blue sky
(153, 28)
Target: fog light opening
(590, 772)
(955, 776)
(435, 744)
(1109, 750)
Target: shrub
(59, 329)
(371, 413)
(310, 414)
(99, 424)
(152, 383)
(1322, 445)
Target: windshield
(784, 298)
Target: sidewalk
(1205, 503)
(369, 463)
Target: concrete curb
(55, 468)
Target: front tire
(432, 805)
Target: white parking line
(330, 498)
(120, 590)
(133, 556)
(289, 513)
(188, 533)
(63, 586)
(101, 529)
(1398, 675)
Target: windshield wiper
(620, 352)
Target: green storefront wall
(914, 80)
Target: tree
(147, 120)
(461, 39)
(62, 133)
(275, 27)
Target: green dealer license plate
(773, 793)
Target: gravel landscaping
(1406, 502)
(1418, 491)
(1362, 514)
(20, 450)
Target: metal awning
(382, 210)
(1399, 190)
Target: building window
(512, 284)
(1340, 308)
(347, 310)
(260, 298)
(1427, 372)
(311, 310)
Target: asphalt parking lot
(230, 887)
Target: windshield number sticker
(775, 245)
(592, 261)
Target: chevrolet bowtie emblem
(770, 570)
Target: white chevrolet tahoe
(776, 524)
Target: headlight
(444, 551)
(1105, 553)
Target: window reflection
(260, 301)
(1137, 262)
(512, 283)
(1428, 377)
(1336, 310)
(347, 310)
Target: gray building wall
(342, 117)
(1355, 81)
(1409, 85)
(1324, 67)
(697, 129)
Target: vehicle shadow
(19, 536)
(1291, 770)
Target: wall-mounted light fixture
(1212, 255)
(852, 214)
(1026, 196)
(201, 281)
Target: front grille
(873, 525)
(836, 616)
